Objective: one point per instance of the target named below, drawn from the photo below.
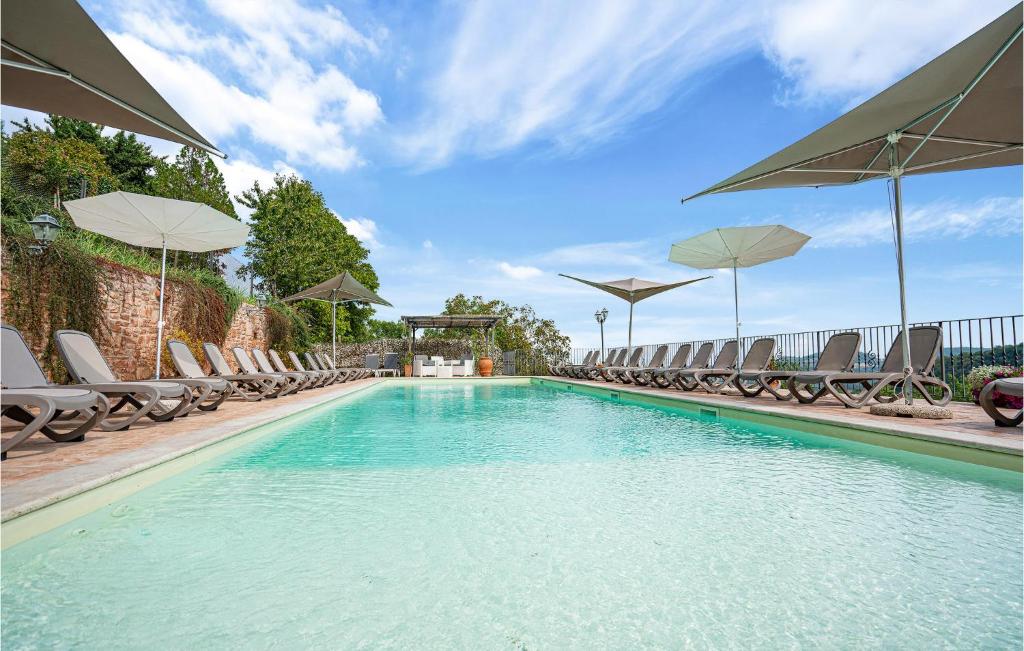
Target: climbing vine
(48, 291)
(286, 328)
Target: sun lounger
(189, 368)
(629, 376)
(334, 376)
(646, 376)
(713, 380)
(925, 343)
(1012, 386)
(573, 370)
(87, 367)
(272, 361)
(25, 387)
(224, 386)
(837, 356)
(612, 373)
(593, 372)
(701, 359)
(321, 378)
(353, 373)
(260, 365)
(250, 386)
(686, 379)
(663, 377)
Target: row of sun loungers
(98, 398)
(832, 374)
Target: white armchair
(464, 367)
(423, 367)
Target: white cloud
(848, 49)
(569, 75)
(938, 219)
(261, 73)
(365, 230)
(519, 272)
(566, 73)
(427, 244)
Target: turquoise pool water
(520, 517)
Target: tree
(380, 329)
(44, 165)
(520, 329)
(193, 176)
(130, 160)
(296, 241)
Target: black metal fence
(966, 344)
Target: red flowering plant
(982, 375)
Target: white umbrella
(740, 246)
(633, 290)
(157, 222)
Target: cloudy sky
(485, 147)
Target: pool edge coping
(1003, 454)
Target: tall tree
(296, 241)
(42, 165)
(193, 176)
(130, 160)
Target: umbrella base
(904, 410)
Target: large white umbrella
(157, 222)
(343, 288)
(633, 290)
(736, 248)
(961, 111)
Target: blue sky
(486, 147)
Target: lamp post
(261, 300)
(44, 229)
(601, 315)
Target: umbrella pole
(334, 332)
(736, 304)
(160, 317)
(629, 341)
(908, 367)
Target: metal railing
(966, 344)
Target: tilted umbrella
(343, 288)
(737, 247)
(55, 59)
(157, 222)
(633, 290)
(961, 111)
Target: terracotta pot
(486, 365)
(407, 370)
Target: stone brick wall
(129, 303)
(350, 354)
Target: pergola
(484, 322)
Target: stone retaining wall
(351, 354)
(129, 304)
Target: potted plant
(484, 363)
(982, 375)
(407, 364)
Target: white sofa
(422, 366)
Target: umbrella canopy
(343, 288)
(740, 246)
(340, 289)
(143, 220)
(963, 110)
(57, 60)
(633, 290)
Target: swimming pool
(509, 516)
